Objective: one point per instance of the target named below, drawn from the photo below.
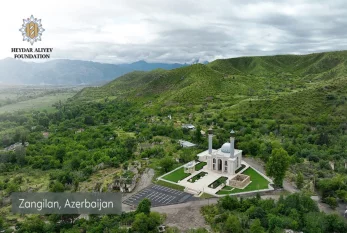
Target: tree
(144, 206)
(88, 120)
(20, 153)
(197, 135)
(332, 202)
(277, 165)
(299, 180)
(2, 223)
(60, 154)
(229, 203)
(335, 223)
(232, 225)
(256, 227)
(275, 222)
(166, 163)
(44, 121)
(313, 222)
(146, 223)
(32, 224)
(187, 155)
(57, 187)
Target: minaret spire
(210, 135)
(232, 144)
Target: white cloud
(119, 31)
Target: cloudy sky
(122, 31)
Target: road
(200, 203)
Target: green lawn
(176, 175)
(206, 196)
(169, 185)
(258, 183)
(199, 166)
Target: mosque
(225, 160)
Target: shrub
(332, 202)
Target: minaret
(210, 135)
(232, 144)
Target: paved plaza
(160, 196)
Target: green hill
(297, 84)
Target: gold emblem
(32, 30)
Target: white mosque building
(225, 160)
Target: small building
(189, 167)
(186, 143)
(188, 126)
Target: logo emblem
(32, 30)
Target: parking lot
(159, 196)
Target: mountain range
(70, 72)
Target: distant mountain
(70, 72)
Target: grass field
(40, 103)
(199, 166)
(258, 183)
(176, 175)
(169, 185)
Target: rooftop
(186, 143)
(188, 126)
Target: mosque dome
(225, 148)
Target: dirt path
(144, 181)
